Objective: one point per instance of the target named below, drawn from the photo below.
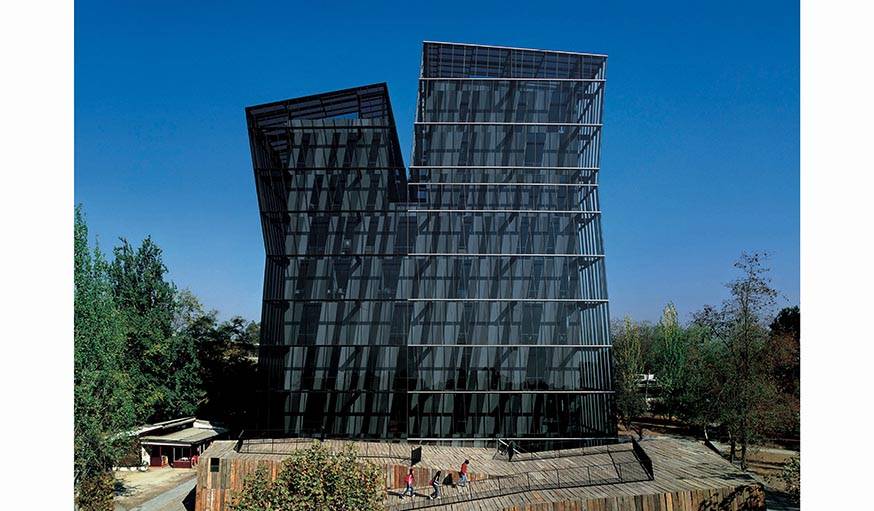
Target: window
(466, 229)
(534, 149)
(405, 237)
(400, 324)
(214, 464)
(531, 322)
(309, 324)
(318, 235)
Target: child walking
(408, 479)
(463, 474)
(435, 483)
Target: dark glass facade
(462, 299)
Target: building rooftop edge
(308, 97)
(517, 48)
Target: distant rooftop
(183, 437)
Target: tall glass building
(462, 299)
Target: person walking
(435, 483)
(408, 479)
(462, 474)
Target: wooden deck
(687, 476)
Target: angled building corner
(329, 173)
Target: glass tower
(462, 300)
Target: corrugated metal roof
(186, 436)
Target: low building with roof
(178, 442)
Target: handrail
(521, 454)
(500, 486)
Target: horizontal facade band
(579, 392)
(424, 254)
(327, 212)
(440, 183)
(324, 126)
(558, 211)
(521, 300)
(492, 79)
(500, 123)
(595, 346)
(501, 167)
(405, 391)
(462, 254)
(429, 167)
(335, 167)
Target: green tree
(628, 365)
(745, 390)
(701, 396)
(103, 392)
(314, 478)
(785, 353)
(229, 371)
(670, 354)
(227, 360)
(162, 361)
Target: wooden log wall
(746, 498)
(216, 489)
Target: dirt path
(180, 498)
(135, 489)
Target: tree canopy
(727, 369)
(103, 389)
(146, 351)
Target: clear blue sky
(700, 158)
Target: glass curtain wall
(330, 179)
(461, 300)
(510, 325)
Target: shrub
(314, 478)
(95, 492)
(791, 478)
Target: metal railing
(583, 475)
(583, 449)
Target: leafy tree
(103, 392)
(628, 364)
(314, 478)
(227, 356)
(752, 388)
(744, 390)
(162, 361)
(785, 355)
(231, 380)
(702, 392)
(670, 354)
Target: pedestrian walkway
(687, 477)
(569, 470)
